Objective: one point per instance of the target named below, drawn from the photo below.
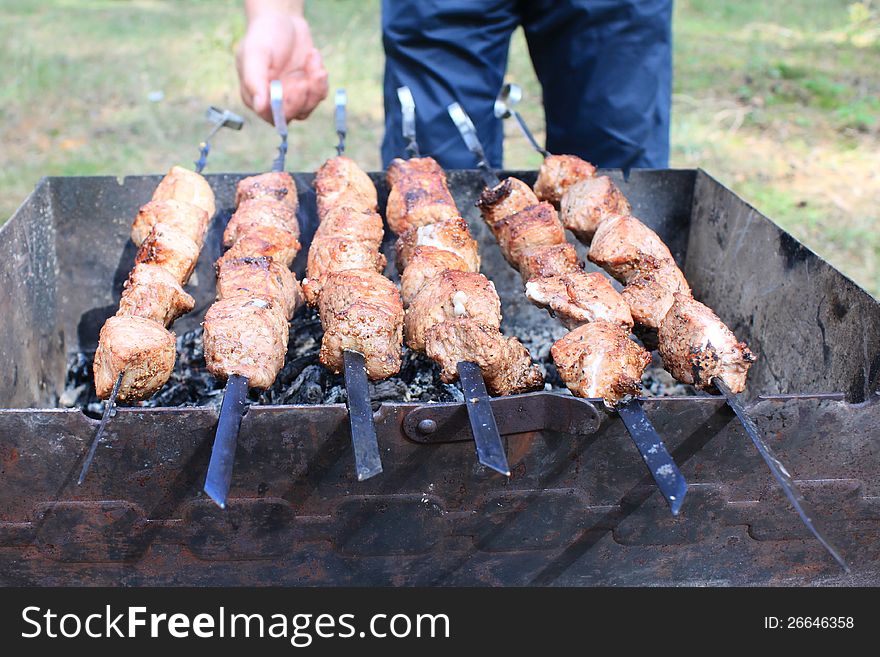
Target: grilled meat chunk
(265, 241)
(342, 183)
(332, 254)
(587, 203)
(508, 197)
(153, 292)
(189, 219)
(650, 294)
(246, 336)
(188, 186)
(423, 264)
(252, 213)
(450, 234)
(505, 363)
(361, 311)
(544, 261)
(558, 173)
(625, 247)
(259, 277)
(141, 348)
(351, 224)
(696, 346)
(418, 195)
(170, 249)
(579, 298)
(274, 186)
(535, 226)
(599, 360)
(447, 296)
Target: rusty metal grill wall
(580, 509)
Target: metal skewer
(276, 98)
(105, 418)
(780, 473)
(408, 120)
(234, 406)
(487, 439)
(509, 96)
(364, 442)
(220, 118)
(660, 463)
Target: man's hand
(278, 45)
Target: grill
(580, 507)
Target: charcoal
(304, 381)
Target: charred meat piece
(558, 173)
(252, 213)
(599, 360)
(274, 186)
(508, 197)
(447, 296)
(696, 346)
(505, 363)
(535, 226)
(625, 247)
(579, 298)
(189, 219)
(650, 294)
(418, 195)
(342, 183)
(331, 254)
(246, 336)
(259, 277)
(187, 186)
(349, 223)
(141, 348)
(544, 261)
(424, 263)
(170, 249)
(152, 292)
(265, 241)
(589, 202)
(361, 311)
(450, 234)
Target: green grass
(781, 101)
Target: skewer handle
(232, 411)
(408, 120)
(276, 99)
(364, 442)
(220, 118)
(340, 119)
(468, 133)
(660, 464)
(490, 448)
(780, 473)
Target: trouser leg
(445, 51)
(605, 67)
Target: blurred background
(778, 100)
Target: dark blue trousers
(605, 67)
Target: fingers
(253, 62)
(304, 89)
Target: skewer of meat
(453, 313)
(246, 330)
(597, 358)
(696, 346)
(136, 351)
(360, 309)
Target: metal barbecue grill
(580, 507)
